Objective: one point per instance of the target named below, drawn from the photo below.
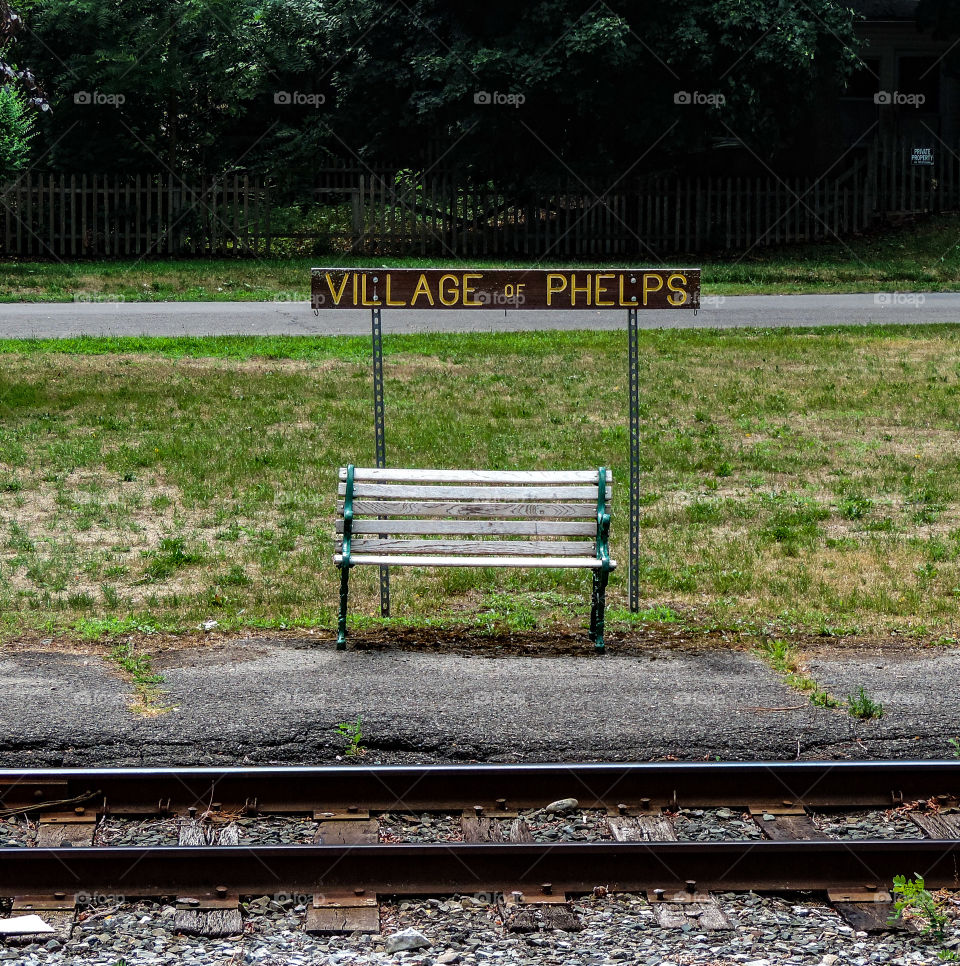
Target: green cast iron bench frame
(443, 518)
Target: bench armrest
(347, 518)
(603, 520)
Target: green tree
(602, 86)
(147, 83)
(16, 132)
(587, 91)
(11, 26)
(19, 91)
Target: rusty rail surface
(149, 791)
(461, 868)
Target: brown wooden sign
(505, 288)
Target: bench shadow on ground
(468, 641)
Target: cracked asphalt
(261, 701)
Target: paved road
(64, 319)
(263, 700)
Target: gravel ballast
(467, 930)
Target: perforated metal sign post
(474, 290)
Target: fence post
(268, 238)
(356, 227)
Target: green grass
(923, 256)
(793, 482)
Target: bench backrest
(473, 512)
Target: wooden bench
(475, 518)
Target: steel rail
(463, 868)
(424, 788)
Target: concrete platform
(260, 701)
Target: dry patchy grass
(792, 482)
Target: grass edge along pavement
(160, 485)
(922, 255)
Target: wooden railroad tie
(342, 912)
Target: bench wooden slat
(386, 474)
(522, 548)
(543, 528)
(397, 508)
(539, 493)
(413, 560)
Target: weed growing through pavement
(785, 660)
(352, 735)
(862, 706)
(145, 681)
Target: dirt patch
(199, 649)
(553, 643)
(886, 647)
(207, 656)
(262, 366)
(37, 641)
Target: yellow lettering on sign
(389, 300)
(469, 290)
(422, 289)
(586, 289)
(648, 287)
(675, 289)
(451, 297)
(334, 294)
(601, 286)
(556, 283)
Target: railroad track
(634, 810)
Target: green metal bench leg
(600, 606)
(342, 619)
(593, 607)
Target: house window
(857, 116)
